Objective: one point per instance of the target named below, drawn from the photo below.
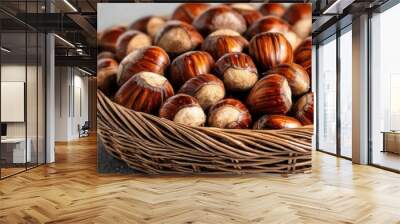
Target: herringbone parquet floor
(70, 191)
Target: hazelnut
(129, 41)
(144, 92)
(276, 122)
(219, 17)
(304, 109)
(270, 49)
(248, 11)
(206, 88)
(183, 109)
(274, 24)
(105, 54)
(149, 24)
(151, 59)
(186, 12)
(107, 76)
(303, 54)
(268, 24)
(108, 38)
(272, 9)
(189, 65)
(270, 95)
(297, 77)
(237, 70)
(299, 15)
(106, 63)
(230, 114)
(177, 37)
(224, 41)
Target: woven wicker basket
(153, 145)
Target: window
(346, 92)
(385, 89)
(327, 96)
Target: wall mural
(204, 88)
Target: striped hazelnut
(151, 59)
(274, 24)
(237, 70)
(267, 24)
(183, 109)
(303, 54)
(270, 49)
(224, 41)
(299, 15)
(276, 122)
(219, 17)
(272, 9)
(206, 88)
(189, 65)
(149, 25)
(177, 37)
(107, 76)
(248, 11)
(304, 109)
(230, 114)
(129, 41)
(144, 92)
(295, 74)
(186, 12)
(108, 38)
(270, 95)
(105, 54)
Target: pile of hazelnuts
(230, 66)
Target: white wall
(69, 82)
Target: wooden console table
(391, 141)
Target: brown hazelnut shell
(105, 54)
(177, 37)
(237, 70)
(151, 59)
(206, 88)
(219, 45)
(270, 49)
(148, 24)
(183, 109)
(107, 76)
(298, 78)
(299, 15)
(267, 24)
(229, 113)
(272, 9)
(219, 17)
(270, 95)
(108, 38)
(276, 122)
(303, 55)
(186, 12)
(106, 62)
(304, 109)
(144, 92)
(249, 13)
(189, 65)
(129, 41)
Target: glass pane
(327, 96)
(346, 93)
(41, 98)
(32, 97)
(13, 86)
(385, 89)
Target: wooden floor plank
(71, 191)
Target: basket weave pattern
(153, 145)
